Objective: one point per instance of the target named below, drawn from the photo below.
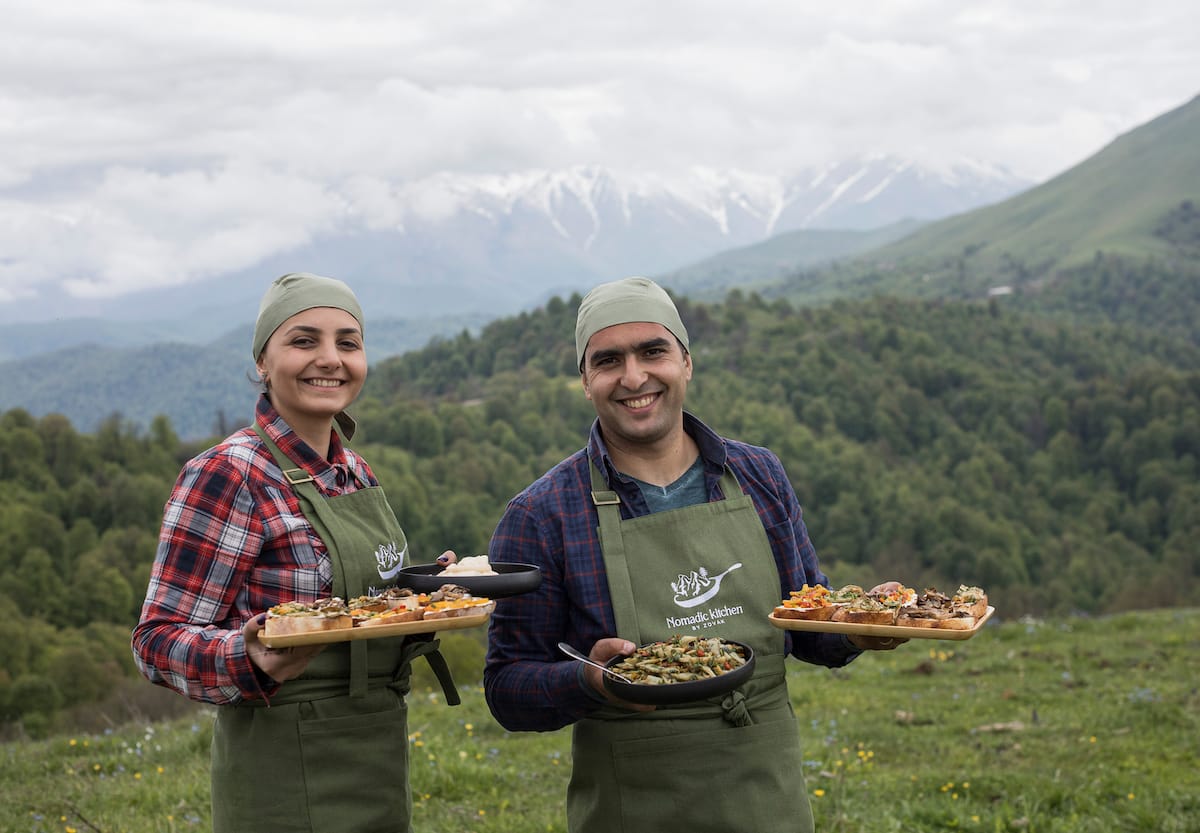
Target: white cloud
(145, 142)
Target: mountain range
(498, 245)
(459, 245)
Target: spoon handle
(573, 654)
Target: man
(658, 527)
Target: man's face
(636, 376)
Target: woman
(306, 739)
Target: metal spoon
(573, 654)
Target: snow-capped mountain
(458, 244)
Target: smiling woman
(313, 367)
(278, 512)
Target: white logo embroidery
(699, 587)
(389, 561)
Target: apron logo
(699, 587)
(389, 560)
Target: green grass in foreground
(1071, 725)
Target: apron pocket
(726, 780)
(356, 770)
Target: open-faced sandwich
(394, 606)
(300, 617)
(867, 609)
(971, 600)
(809, 602)
(902, 606)
(937, 610)
(452, 600)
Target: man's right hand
(603, 651)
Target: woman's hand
(280, 664)
(448, 557)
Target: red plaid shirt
(234, 543)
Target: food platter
(885, 631)
(374, 631)
(683, 692)
(510, 580)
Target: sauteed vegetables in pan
(681, 659)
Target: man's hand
(603, 651)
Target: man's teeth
(324, 383)
(639, 403)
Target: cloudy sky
(158, 141)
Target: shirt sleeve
(798, 565)
(189, 635)
(528, 683)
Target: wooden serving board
(885, 631)
(375, 631)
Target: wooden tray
(375, 632)
(885, 631)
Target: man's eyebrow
(657, 341)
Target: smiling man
(658, 527)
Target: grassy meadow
(1038, 726)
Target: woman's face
(314, 365)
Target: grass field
(1066, 725)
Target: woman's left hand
(280, 664)
(448, 557)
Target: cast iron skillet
(685, 692)
(510, 580)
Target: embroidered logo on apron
(696, 588)
(389, 560)
(699, 587)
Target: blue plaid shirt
(530, 685)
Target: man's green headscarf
(625, 301)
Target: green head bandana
(296, 292)
(625, 301)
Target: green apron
(330, 751)
(726, 765)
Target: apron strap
(730, 488)
(608, 510)
(302, 484)
(428, 647)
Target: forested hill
(933, 442)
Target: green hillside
(749, 267)
(1135, 200)
(927, 441)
